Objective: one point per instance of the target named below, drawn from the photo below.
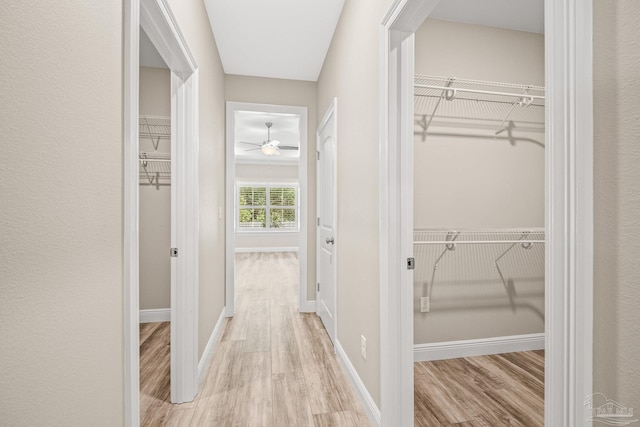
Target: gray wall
(617, 201)
(350, 73)
(465, 178)
(287, 92)
(155, 200)
(61, 180)
(267, 173)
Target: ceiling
(286, 39)
(522, 15)
(250, 127)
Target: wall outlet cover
(424, 304)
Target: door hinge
(318, 155)
(174, 252)
(411, 263)
(318, 221)
(317, 287)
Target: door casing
(568, 210)
(158, 21)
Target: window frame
(268, 186)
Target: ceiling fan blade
(274, 143)
(251, 143)
(288, 147)
(253, 149)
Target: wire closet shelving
(505, 256)
(154, 165)
(450, 98)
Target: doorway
(159, 24)
(266, 188)
(568, 217)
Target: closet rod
(474, 242)
(485, 92)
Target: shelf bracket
(447, 94)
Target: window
(267, 207)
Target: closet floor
(155, 375)
(273, 365)
(496, 390)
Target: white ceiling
(522, 15)
(286, 39)
(250, 127)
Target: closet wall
(267, 174)
(155, 199)
(468, 178)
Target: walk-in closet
(154, 129)
(479, 209)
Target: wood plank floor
(497, 390)
(273, 366)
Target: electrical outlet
(424, 304)
(363, 347)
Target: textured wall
(467, 178)
(61, 189)
(296, 93)
(617, 200)
(350, 73)
(155, 200)
(192, 19)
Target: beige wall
(155, 200)
(192, 19)
(265, 173)
(295, 93)
(464, 178)
(350, 73)
(617, 200)
(61, 180)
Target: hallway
(273, 365)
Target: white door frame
(232, 106)
(332, 110)
(568, 213)
(156, 18)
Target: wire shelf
(452, 102)
(155, 166)
(154, 127)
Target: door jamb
(568, 214)
(158, 21)
(303, 303)
(332, 110)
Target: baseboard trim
(478, 347)
(269, 249)
(370, 407)
(307, 307)
(208, 350)
(155, 315)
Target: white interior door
(326, 293)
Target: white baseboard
(208, 350)
(479, 347)
(270, 249)
(307, 307)
(370, 407)
(155, 315)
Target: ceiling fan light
(269, 150)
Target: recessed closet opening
(479, 218)
(155, 233)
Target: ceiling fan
(268, 146)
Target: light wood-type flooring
(492, 391)
(272, 367)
